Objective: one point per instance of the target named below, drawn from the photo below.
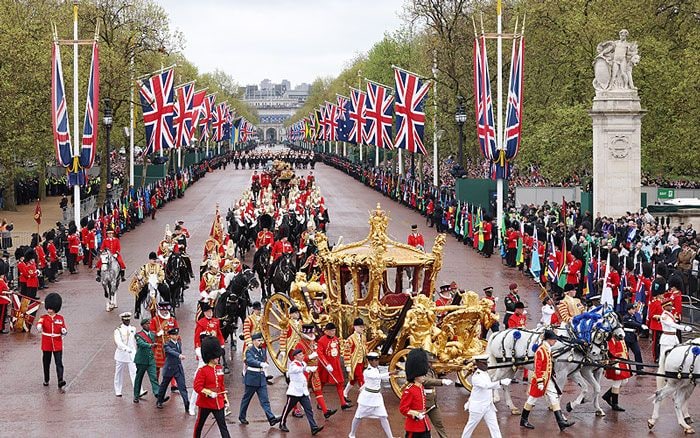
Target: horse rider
(229, 263)
(265, 236)
(165, 246)
(510, 300)
(111, 244)
(307, 236)
(211, 282)
(282, 246)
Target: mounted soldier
(111, 244)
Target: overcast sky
(298, 40)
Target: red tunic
(211, 327)
(655, 309)
(517, 321)
(543, 370)
(281, 247)
(329, 353)
(618, 349)
(158, 324)
(487, 230)
(614, 283)
(51, 248)
(40, 256)
(573, 276)
(416, 240)
(22, 271)
(210, 377)
(413, 398)
(32, 274)
(265, 237)
(51, 332)
(512, 237)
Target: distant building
(275, 103)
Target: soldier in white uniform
(125, 338)
(668, 339)
(370, 403)
(480, 404)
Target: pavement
(89, 406)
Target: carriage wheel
(398, 364)
(463, 376)
(275, 316)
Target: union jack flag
(158, 102)
(59, 111)
(331, 121)
(184, 112)
(24, 310)
(485, 127)
(379, 110)
(87, 152)
(356, 116)
(198, 111)
(313, 125)
(219, 121)
(513, 110)
(410, 117)
(206, 119)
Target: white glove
(496, 299)
(198, 352)
(420, 416)
(280, 355)
(160, 333)
(264, 365)
(524, 312)
(505, 382)
(466, 405)
(540, 386)
(447, 382)
(645, 327)
(39, 328)
(64, 331)
(688, 328)
(329, 367)
(347, 369)
(311, 368)
(212, 395)
(313, 355)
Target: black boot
(615, 405)
(122, 275)
(561, 422)
(523, 419)
(99, 276)
(608, 396)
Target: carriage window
(346, 285)
(363, 282)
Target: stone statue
(613, 64)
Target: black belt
(373, 391)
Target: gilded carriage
(389, 285)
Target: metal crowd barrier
(691, 309)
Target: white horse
(109, 272)
(682, 368)
(578, 359)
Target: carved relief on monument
(619, 146)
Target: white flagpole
(376, 156)
(499, 122)
(76, 136)
(436, 167)
(400, 162)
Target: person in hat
(669, 338)
(209, 385)
(31, 274)
(543, 384)
(413, 404)
(430, 384)
(355, 352)
(173, 369)
(53, 328)
(112, 244)
(125, 340)
(480, 404)
(74, 249)
(165, 247)
(144, 360)
(444, 296)
(519, 318)
(307, 237)
(488, 294)
(153, 267)
(415, 239)
(307, 344)
(510, 301)
(298, 390)
(631, 321)
(658, 287)
(330, 350)
(5, 299)
(211, 283)
(618, 371)
(161, 323)
(265, 236)
(291, 334)
(370, 403)
(570, 306)
(255, 380)
(252, 324)
(208, 325)
(549, 316)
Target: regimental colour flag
(410, 117)
(90, 124)
(379, 110)
(356, 116)
(183, 114)
(158, 102)
(24, 310)
(59, 111)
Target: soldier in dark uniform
(173, 369)
(632, 326)
(510, 301)
(144, 359)
(430, 384)
(255, 381)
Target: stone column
(617, 173)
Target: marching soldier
(53, 328)
(618, 372)
(172, 369)
(209, 385)
(290, 336)
(125, 339)
(252, 324)
(112, 244)
(355, 353)
(298, 392)
(370, 403)
(480, 404)
(329, 352)
(144, 360)
(413, 404)
(543, 384)
(255, 380)
(570, 306)
(430, 383)
(510, 300)
(308, 346)
(162, 321)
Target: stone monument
(617, 126)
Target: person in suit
(145, 360)
(173, 369)
(255, 381)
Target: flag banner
(410, 116)
(356, 116)
(37, 213)
(219, 121)
(331, 121)
(535, 266)
(23, 314)
(91, 122)
(379, 110)
(158, 102)
(485, 127)
(59, 111)
(513, 112)
(182, 117)
(205, 121)
(343, 129)
(197, 112)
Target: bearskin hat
(615, 262)
(647, 269)
(416, 364)
(30, 254)
(675, 281)
(53, 301)
(265, 221)
(211, 349)
(662, 270)
(658, 287)
(629, 264)
(91, 224)
(577, 252)
(83, 222)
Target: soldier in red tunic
(52, 327)
(112, 244)
(412, 404)
(160, 324)
(519, 318)
(329, 353)
(618, 373)
(5, 299)
(543, 384)
(265, 236)
(415, 239)
(308, 345)
(209, 385)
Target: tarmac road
(89, 407)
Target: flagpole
(131, 121)
(499, 120)
(359, 87)
(400, 162)
(76, 137)
(435, 139)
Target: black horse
(283, 274)
(232, 305)
(261, 265)
(242, 234)
(177, 277)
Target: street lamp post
(460, 118)
(107, 121)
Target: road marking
(87, 364)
